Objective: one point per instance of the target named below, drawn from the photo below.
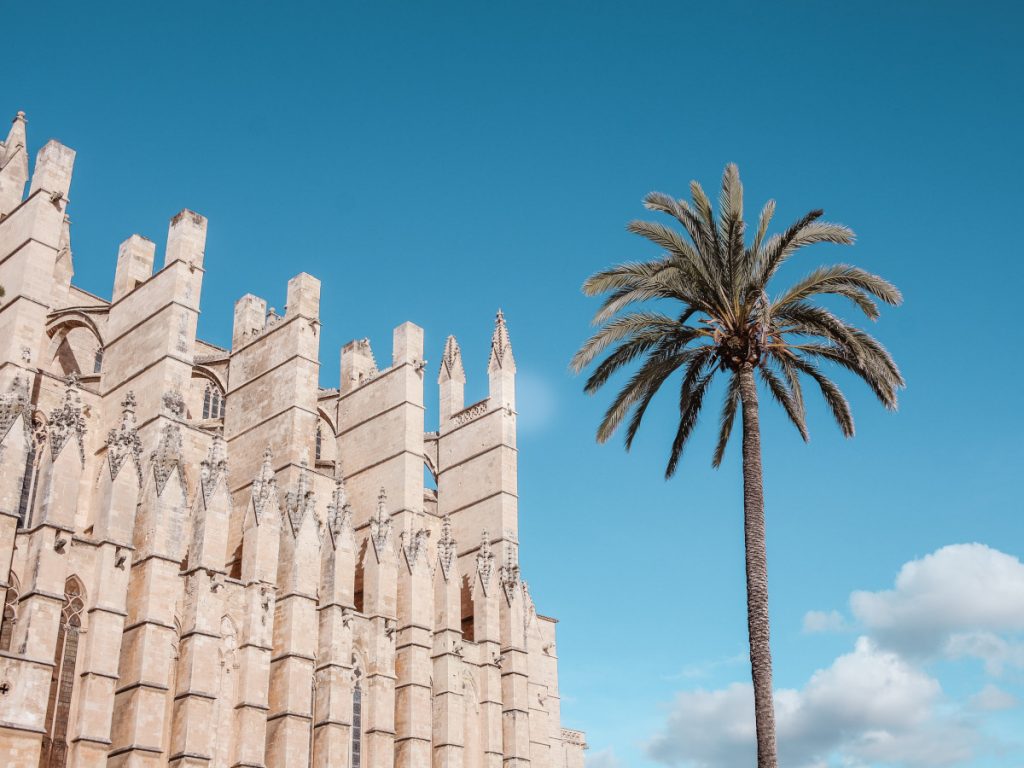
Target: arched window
(357, 720)
(97, 362)
(319, 441)
(213, 403)
(54, 753)
(10, 613)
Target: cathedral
(209, 559)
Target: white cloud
(868, 706)
(949, 602)
(878, 704)
(602, 758)
(822, 621)
(991, 699)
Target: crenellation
(232, 564)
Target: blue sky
(433, 162)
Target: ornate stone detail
(13, 404)
(414, 544)
(214, 466)
(339, 511)
(472, 412)
(168, 457)
(301, 501)
(501, 347)
(67, 422)
(451, 362)
(446, 548)
(264, 486)
(174, 404)
(509, 572)
(529, 607)
(380, 525)
(124, 442)
(485, 561)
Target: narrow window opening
(319, 442)
(357, 721)
(10, 614)
(54, 753)
(97, 362)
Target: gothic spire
(301, 501)
(339, 511)
(485, 560)
(67, 421)
(215, 465)
(265, 485)
(124, 441)
(509, 572)
(380, 524)
(501, 347)
(446, 547)
(15, 403)
(451, 362)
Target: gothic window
(97, 362)
(54, 753)
(319, 441)
(213, 403)
(10, 614)
(357, 722)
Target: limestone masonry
(210, 560)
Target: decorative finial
(451, 362)
(509, 572)
(124, 441)
(446, 547)
(339, 511)
(380, 524)
(215, 465)
(265, 484)
(174, 404)
(485, 560)
(501, 347)
(67, 421)
(300, 501)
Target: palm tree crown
(728, 321)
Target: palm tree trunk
(757, 573)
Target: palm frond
(732, 401)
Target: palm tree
(725, 322)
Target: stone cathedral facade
(208, 559)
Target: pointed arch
(54, 752)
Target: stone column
(192, 730)
(379, 605)
(295, 631)
(487, 634)
(260, 543)
(116, 500)
(515, 674)
(48, 544)
(332, 723)
(412, 651)
(449, 707)
(143, 694)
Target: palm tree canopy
(727, 320)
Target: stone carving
(214, 466)
(446, 548)
(485, 561)
(123, 442)
(339, 511)
(472, 412)
(14, 404)
(415, 544)
(451, 362)
(509, 572)
(174, 404)
(167, 457)
(380, 525)
(501, 347)
(67, 422)
(264, 486)
(300, 502)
